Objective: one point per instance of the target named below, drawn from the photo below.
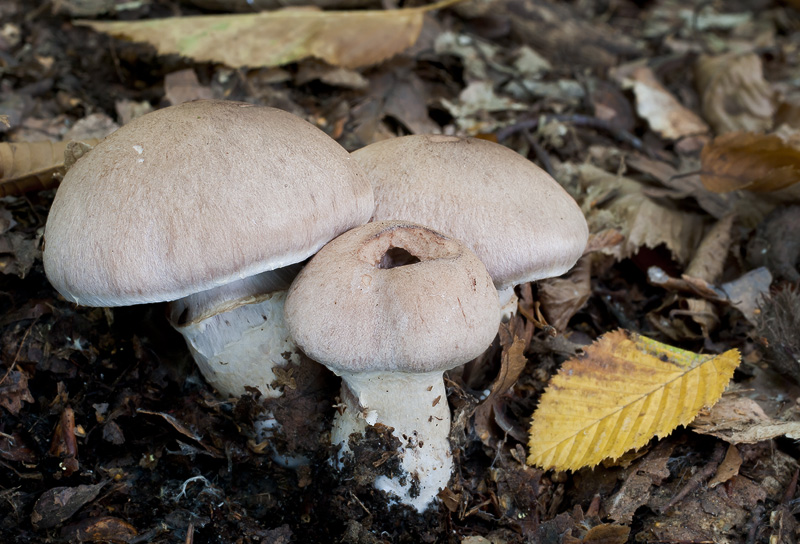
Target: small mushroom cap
(393, 296)
(521, 223)
(195, 196)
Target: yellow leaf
(623, 391)
(341, 38)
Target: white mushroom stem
(508, 303)
(236, 332)
(415, 406)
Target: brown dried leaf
(647, 473)
(661, 109)
(100, 529)
(616, 202)
(14, 390)
(562, 297)
(342, 38)
(728, 468)
(709, 259)
(607, 534)
(739, 420)
(756, 162)
(60, 503)
(735, 96)
(29, 166)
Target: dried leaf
(100, 529)
(60, 503)
(607, 534)
(562, 297)
(735, 96)
(660, 109)
(14, 390)
(647, 473)
(616, 202)
(272, 38)
(756, 162)
(728, 468)
(625, 389)
(739, 420)
(29, 166)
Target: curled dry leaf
(739, 420)
(662, 111)
(14, 391)
(342, 38)
(756, 162)
(622, 392)
(60, 503)
(29, 166)
(735, 96)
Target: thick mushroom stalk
(390, 306)
(236, 332)
(420, 419)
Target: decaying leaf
(342, 38)
(29, 166)
(734, 93)
(660, 108)
(14, 391)
(562, 297)
(616, 202)
(60, 503)
(739, 420)
(622, 392)
(728, 468)
(756, 162)
(642, 477)
(100, 529)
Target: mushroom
(210, 205)
(389, 306)
(521, 223)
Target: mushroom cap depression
(521, 223)
(393, 296)
(195, 196)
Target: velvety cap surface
(521, 223)
(194, 196)
(393, 296)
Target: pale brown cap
(521, 223)
(393, 296)
(194, 196)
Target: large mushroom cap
(521, 223)
(393, 296)
(194, 196)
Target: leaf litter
(637, 108)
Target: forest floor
(673, 124)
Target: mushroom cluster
(210, 205)
(214, 206)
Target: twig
(700, 477)
(541, 154)
(19, 350)
(578, 120)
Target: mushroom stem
(236, 332)
(415, 406)
(508, 303)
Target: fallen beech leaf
(562, 297)
(745, 160)
(622, 392)
(272, 38)
(29, 166)
(660, 109)
(739, 420)
(735, 95)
